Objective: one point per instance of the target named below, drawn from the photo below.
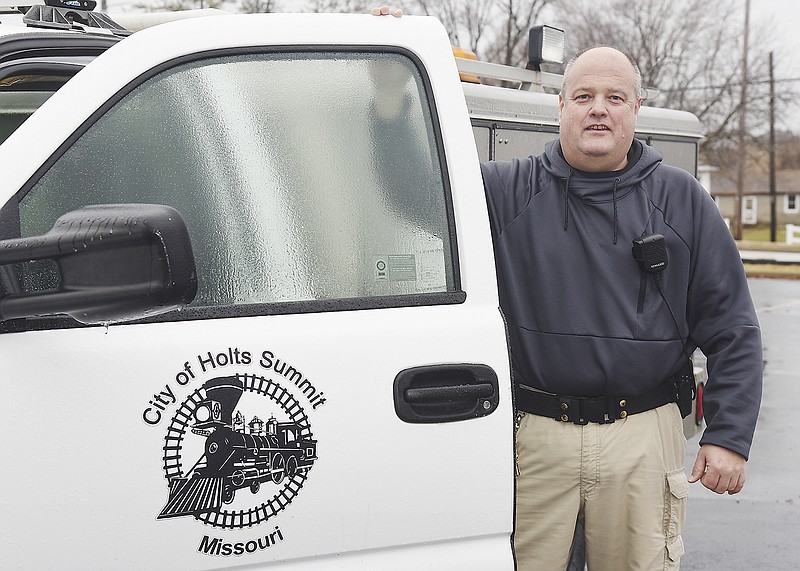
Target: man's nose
(598, 106)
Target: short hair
(637, 82)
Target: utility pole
(772, 189)
(737, 215)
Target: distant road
(765, 256)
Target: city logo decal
(237, 453)
(239, 448)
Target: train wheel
(254, 486)
(278, 468)
(227, 494)
(237, 478)
(291, 467)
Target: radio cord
(657, 280)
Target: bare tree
(347, 6)
(466, 21)
(496, 30)
(258, 6)
(518, 16)
(177, 5)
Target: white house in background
(756, 196)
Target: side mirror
(115, 262)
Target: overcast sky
(782, 15)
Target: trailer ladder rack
(527, 79)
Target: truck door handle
(445, 393)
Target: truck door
(339, 387)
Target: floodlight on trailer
(546, 44)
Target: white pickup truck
(298, 360)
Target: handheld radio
(650, 253)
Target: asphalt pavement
(759, 528)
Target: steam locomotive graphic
(233, 458)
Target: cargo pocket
(674, 551)
(675, 515)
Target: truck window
(681, 153)
(299, 178)
(16, 106)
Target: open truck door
(335, 393)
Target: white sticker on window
(395, 267)
(402, 267)
(430, 271)
(425, 269)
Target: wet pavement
(759, 528)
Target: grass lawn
(757, 238)
(780, 271)
(760, 233)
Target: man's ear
(561, 104)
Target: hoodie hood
(600, 187)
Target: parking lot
(758, 528)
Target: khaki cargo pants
(625, 481)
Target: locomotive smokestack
(222, 396)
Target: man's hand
(719, 469)
(385, 11)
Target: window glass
(750, 210)
(791, 204)
(301, 176)
(681, 154)
(16, 105)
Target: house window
(791, 203)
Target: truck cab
(248, 305)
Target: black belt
(583, 410)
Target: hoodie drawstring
(566, 200)
(614, 201)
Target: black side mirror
(115, 262)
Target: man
(597, 340)
(586, 321)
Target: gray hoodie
(583, 318)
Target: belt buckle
(593, 409)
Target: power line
(732, 84)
